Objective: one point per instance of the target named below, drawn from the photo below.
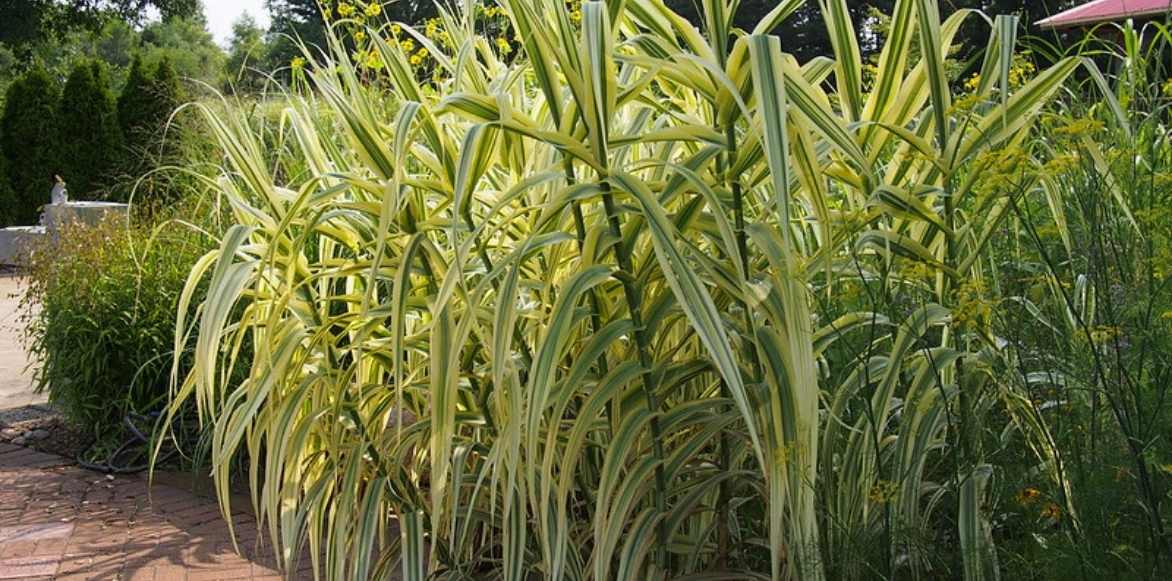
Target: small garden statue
(58, 195)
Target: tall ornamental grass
(628, 300)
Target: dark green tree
(146, 102)
(28, 138)
(90, 139)
(7, 201)
(138, 111)
(145, 109)
(168, 92)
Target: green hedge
(28, 138)
(90, 139)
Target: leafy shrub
(28, 138)
(90, 138)
(102, 302)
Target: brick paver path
(61, 522)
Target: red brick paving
(58, 521)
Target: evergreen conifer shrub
(149, 97)
(6, 199)
(28, 138)
(90, 138)
(137, 114)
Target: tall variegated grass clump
(639, 301)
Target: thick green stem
(580, 232)
(634, 297)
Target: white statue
(58, 195)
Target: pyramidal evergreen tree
(138, 114)
(168, 92)
(7, 201)
(149, 97)
(28, 139)
(89, 134)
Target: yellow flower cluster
(1104, 333)
(1003, 170)
(418, 58)
(972, 83)
(1020, 72)
(972, 308)
(919, 271)
(347, 9)
(1061, 164)
(882, 491)
(1079, 127)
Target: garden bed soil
(43, 429)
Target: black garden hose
(135, 447)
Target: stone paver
(61, 522)
(15, 379)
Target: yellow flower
(502, 43)
(345, 9)
(359, 36)
(972, 83)
(297, 63)
(407, 45)
(416, 60)
(1052, 511)
(431, 28)
(1028, 496)
(372, 60)
(576, 15)
(422, 53)
(1166, 88)
(396, 29)
(1104, 333)
(882, 491)
(373, 9)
